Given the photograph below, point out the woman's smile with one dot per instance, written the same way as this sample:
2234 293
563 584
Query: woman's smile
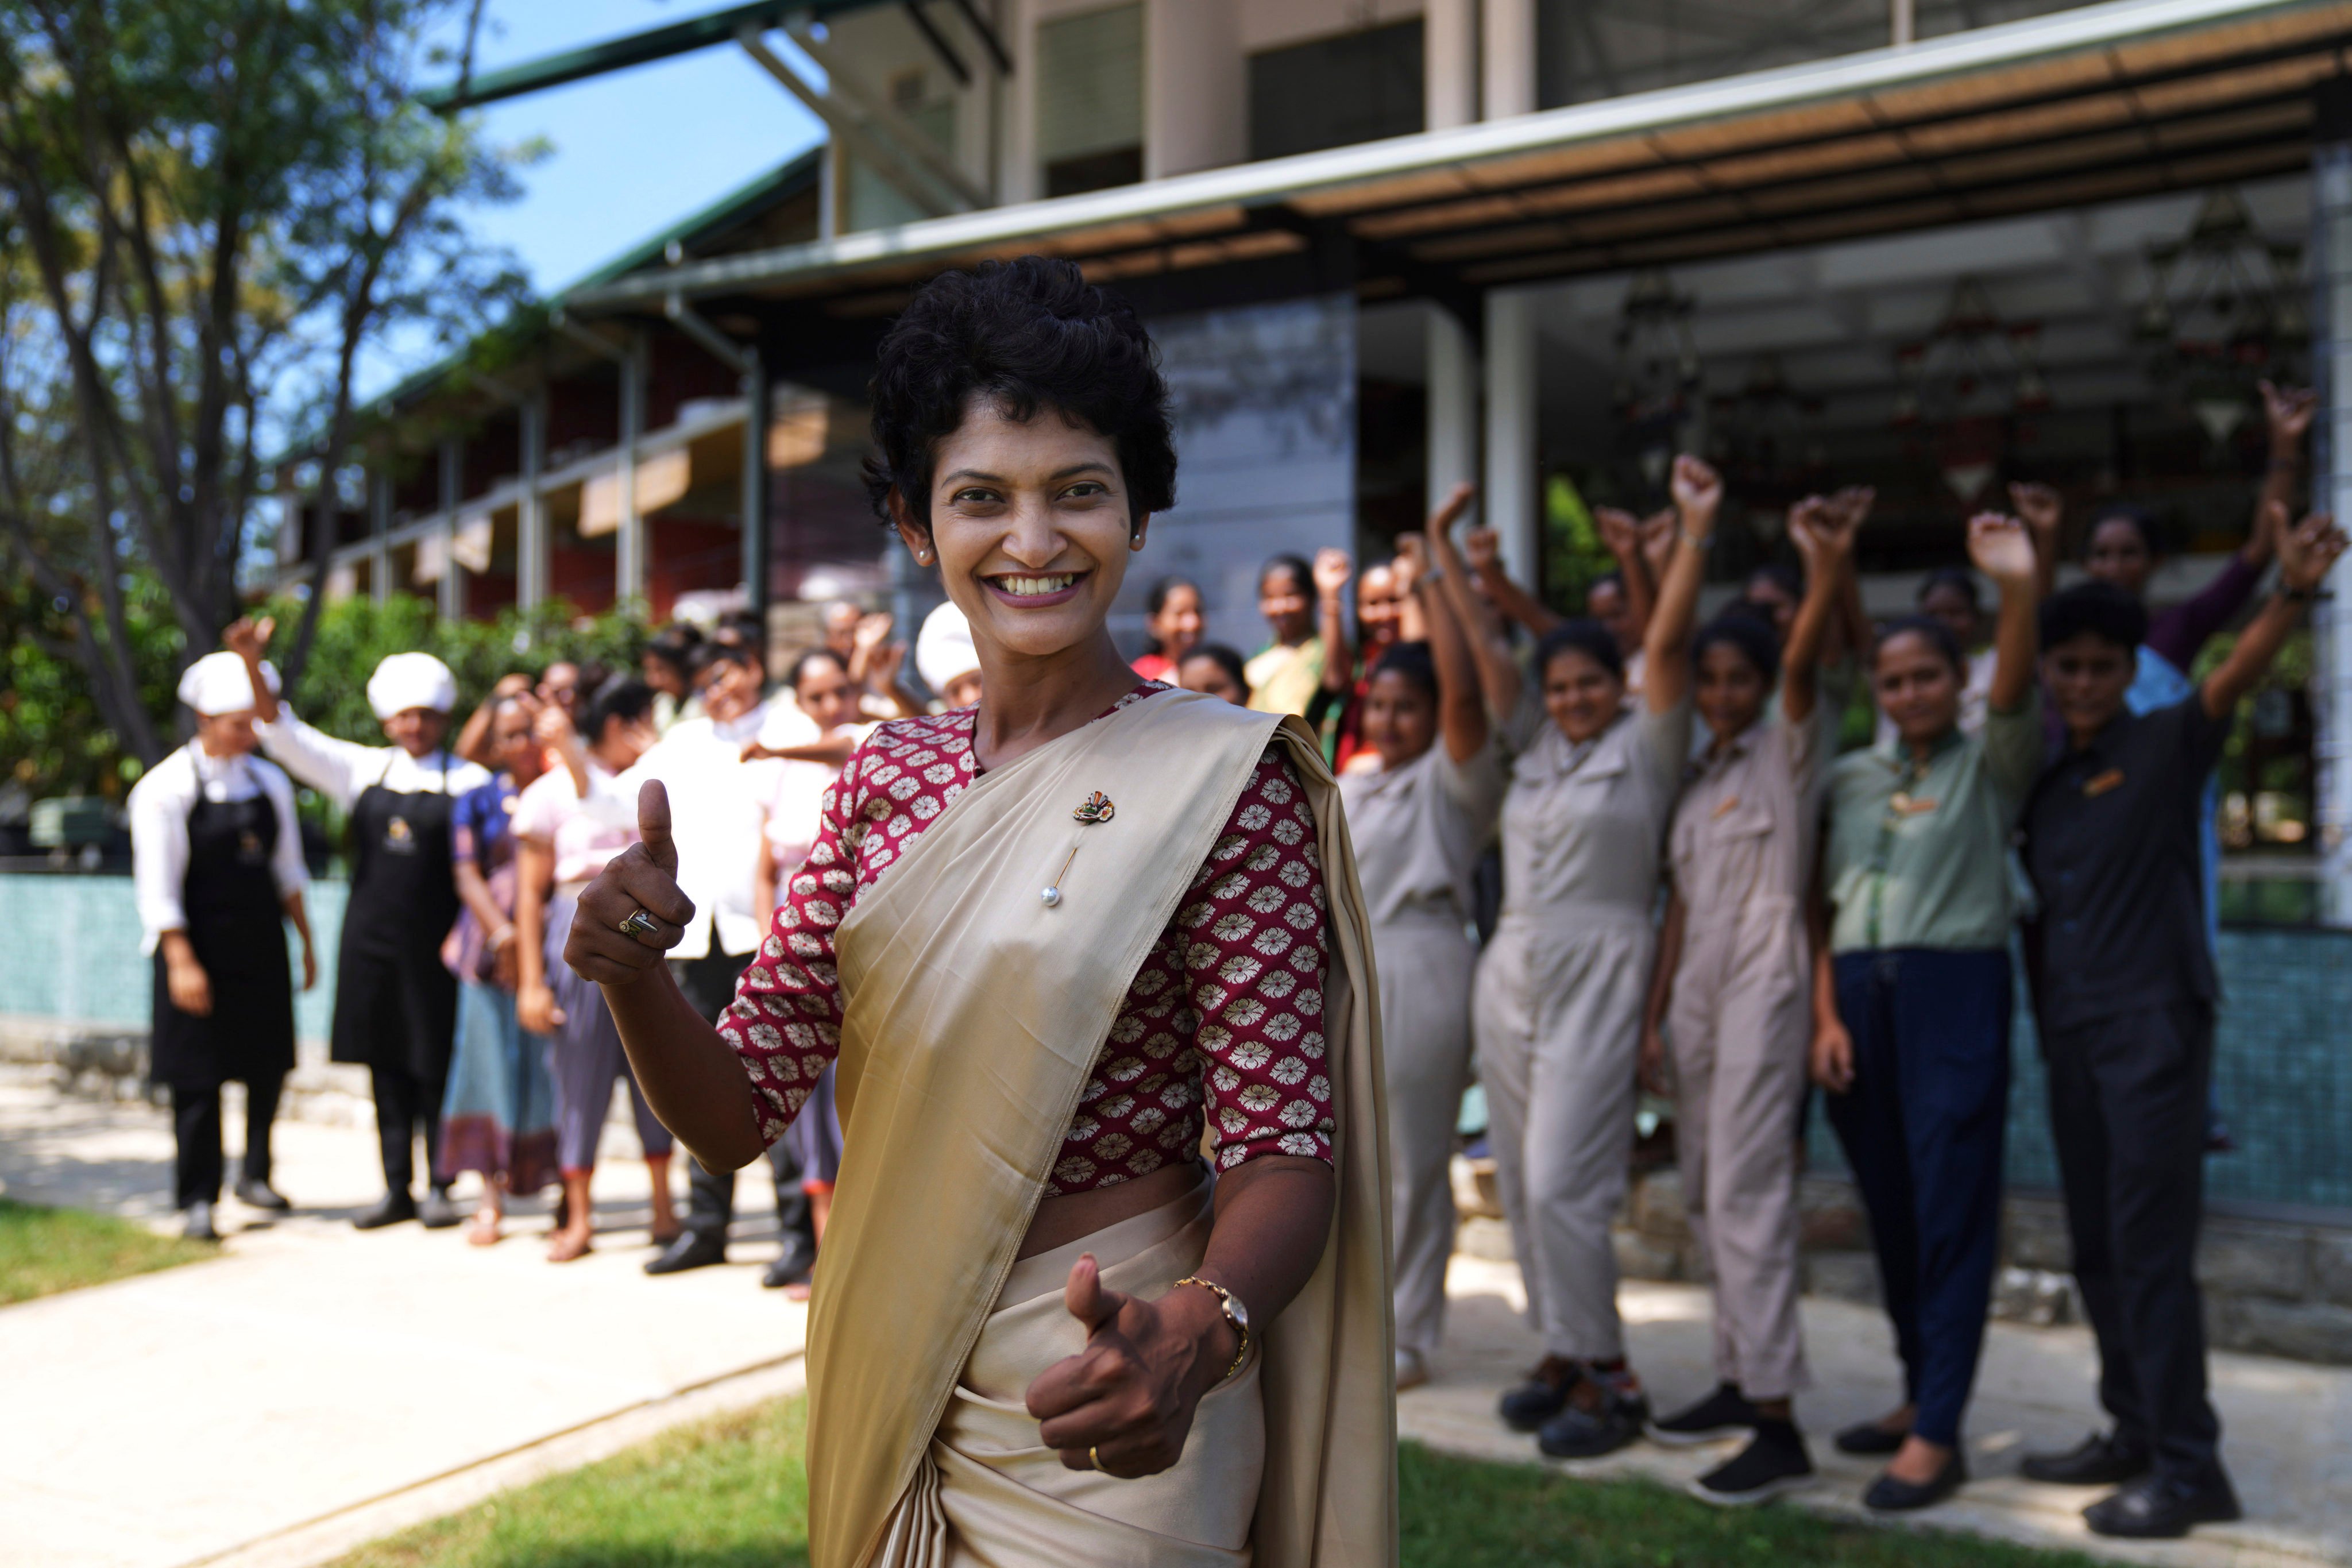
1031 593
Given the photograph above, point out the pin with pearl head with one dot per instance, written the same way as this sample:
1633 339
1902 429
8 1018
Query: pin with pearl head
1096 807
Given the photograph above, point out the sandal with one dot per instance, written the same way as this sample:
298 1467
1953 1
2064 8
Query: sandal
568 1248
484 1231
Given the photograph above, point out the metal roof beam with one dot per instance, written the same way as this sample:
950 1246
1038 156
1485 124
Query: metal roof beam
883 122
852 132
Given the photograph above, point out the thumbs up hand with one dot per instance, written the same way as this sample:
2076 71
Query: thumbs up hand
1125 1404
634 913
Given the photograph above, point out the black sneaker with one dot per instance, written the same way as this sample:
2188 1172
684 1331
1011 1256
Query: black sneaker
1604 1414
1774 1463
256 1193
1725 1412
437 1212
2101 1459
1542 1396
2162 1508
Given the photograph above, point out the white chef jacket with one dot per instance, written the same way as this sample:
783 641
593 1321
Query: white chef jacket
342 770
716 804
160 804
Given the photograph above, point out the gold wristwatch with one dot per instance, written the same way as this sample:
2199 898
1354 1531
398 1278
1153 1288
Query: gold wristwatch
1235 1313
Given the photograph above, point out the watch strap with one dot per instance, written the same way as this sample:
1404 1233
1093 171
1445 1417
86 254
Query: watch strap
1229 1306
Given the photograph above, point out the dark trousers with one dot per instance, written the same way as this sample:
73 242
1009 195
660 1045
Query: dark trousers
708 985
198 1163
405 1107
2128 1103
1921 1129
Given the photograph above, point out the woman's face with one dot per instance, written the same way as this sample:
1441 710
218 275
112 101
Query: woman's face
2119 555
1286 604
1954 608
623 741
1582 697
1380 607
518 751
1729 692
417 730
1177 626
662 675
826 694
2088 677
730 688
1918 689
1770 596
1400 721
1200 673
1029 522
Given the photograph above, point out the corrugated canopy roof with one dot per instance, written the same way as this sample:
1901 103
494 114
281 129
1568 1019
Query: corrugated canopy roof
2085 106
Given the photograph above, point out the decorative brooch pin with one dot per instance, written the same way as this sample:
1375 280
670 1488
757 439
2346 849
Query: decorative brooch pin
1096 807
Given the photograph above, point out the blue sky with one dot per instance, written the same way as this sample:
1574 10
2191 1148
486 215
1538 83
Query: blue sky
632 152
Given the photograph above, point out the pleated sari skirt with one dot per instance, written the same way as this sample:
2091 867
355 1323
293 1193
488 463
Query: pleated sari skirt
991 1495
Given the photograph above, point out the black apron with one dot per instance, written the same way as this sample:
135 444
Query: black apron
396 1003
237 926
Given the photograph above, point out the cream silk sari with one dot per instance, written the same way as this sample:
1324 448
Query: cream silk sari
973 1015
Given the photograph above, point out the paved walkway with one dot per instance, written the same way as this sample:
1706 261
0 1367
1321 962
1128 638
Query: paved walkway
316 1387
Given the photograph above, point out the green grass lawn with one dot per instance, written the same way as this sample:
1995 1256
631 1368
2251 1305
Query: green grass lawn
46 1250
732 1493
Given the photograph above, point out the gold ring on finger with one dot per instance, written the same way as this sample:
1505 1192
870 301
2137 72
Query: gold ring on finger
639 923
1094 1457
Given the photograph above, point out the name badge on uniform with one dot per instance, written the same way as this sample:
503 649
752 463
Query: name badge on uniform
2100 783
1729 804
399 837
1906 804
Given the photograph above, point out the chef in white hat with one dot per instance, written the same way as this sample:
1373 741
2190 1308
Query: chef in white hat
396 1002
947 659
217 864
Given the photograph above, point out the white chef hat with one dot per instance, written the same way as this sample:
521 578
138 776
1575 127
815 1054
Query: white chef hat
217 683
944 652
406 680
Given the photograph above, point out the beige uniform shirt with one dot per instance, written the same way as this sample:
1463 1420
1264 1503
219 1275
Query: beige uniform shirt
1747 822
1418 830
1583 824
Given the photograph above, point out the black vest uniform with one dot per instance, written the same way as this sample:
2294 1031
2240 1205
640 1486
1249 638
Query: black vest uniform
236 926
396 1003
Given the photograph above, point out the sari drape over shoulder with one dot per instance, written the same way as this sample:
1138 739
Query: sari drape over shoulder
973 1013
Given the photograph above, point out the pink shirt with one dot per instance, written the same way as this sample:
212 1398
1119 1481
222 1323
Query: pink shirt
549 811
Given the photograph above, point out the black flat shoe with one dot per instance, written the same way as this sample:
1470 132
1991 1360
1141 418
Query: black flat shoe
1773 1464
1889 1494
1725 1412
390 1209
199 1226
256 1194
436 1211
692 1250
1543 1396
2101 1459
2163 1507
1868 1437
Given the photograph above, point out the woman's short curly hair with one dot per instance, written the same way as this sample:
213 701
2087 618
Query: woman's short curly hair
1030 335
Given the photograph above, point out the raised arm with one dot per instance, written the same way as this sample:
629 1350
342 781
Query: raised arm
2003 550
1483 549
1849 630
2306 554
1461 703
1333 570
2043 513
1666 645
1622 535
1824 536
473 741
2288 411
1490 646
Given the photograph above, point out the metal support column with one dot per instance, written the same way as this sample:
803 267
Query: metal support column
756 488
531 544
1513 490
629 542
2331 487
1452 406
450 591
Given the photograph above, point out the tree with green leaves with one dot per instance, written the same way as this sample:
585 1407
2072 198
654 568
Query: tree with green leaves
208 209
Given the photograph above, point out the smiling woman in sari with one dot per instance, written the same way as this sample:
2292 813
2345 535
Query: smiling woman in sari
1050 941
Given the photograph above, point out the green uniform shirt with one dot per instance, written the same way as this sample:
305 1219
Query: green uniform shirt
1918 857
